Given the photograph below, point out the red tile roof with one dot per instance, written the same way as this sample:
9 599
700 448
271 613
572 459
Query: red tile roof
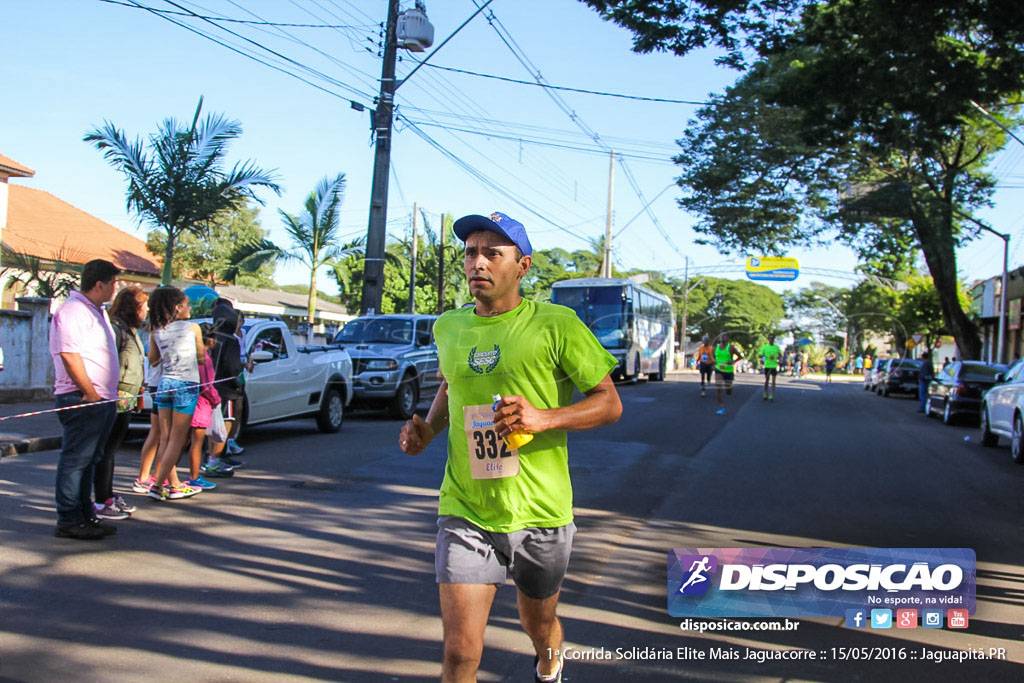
10 167
41 225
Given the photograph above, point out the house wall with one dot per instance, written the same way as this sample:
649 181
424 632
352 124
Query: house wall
25 337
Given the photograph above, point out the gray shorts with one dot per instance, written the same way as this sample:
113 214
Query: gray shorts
536 557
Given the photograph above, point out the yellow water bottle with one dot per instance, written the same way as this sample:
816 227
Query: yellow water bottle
515 440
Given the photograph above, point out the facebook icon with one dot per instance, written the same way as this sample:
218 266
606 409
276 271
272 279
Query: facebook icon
856 618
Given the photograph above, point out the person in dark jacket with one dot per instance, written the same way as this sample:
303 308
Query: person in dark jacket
228 366
924 378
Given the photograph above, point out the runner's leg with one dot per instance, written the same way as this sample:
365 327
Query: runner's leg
543 627
464 611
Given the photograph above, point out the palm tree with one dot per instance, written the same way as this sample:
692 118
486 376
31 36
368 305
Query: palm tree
314 233
53 278
181 183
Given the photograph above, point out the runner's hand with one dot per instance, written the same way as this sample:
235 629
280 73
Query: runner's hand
416 435
516 414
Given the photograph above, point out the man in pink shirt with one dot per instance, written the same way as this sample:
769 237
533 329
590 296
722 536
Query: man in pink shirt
86 369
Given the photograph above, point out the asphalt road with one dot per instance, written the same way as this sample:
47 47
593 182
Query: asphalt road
316 561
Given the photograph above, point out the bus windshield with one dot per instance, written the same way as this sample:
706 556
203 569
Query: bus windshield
600 308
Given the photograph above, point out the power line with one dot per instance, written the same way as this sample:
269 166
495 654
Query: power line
566 88
227 19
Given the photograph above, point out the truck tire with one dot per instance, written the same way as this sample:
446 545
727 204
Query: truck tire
331 413
403 405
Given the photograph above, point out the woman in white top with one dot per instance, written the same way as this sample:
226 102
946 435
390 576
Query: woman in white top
177 345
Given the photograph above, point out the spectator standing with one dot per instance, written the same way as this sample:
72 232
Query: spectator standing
209 401
178 344
830 365
228 368
126 315
859 364
86 373
924 378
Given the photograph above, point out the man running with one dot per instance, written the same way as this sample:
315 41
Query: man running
770 353
705 362
725 355
504 511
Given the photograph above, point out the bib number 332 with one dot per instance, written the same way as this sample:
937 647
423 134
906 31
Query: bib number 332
489 457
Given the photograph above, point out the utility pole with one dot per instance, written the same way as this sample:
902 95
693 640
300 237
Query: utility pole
373 269
412 270
440 268
686 302
606 265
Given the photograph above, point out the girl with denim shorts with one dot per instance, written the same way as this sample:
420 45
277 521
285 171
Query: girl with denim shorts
177 344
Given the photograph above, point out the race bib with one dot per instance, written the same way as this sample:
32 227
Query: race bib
489 457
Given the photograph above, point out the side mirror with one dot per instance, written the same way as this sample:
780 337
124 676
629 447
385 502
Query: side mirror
1000 378
261 356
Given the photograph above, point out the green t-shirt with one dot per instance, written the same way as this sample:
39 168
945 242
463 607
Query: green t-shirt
771 353
542 352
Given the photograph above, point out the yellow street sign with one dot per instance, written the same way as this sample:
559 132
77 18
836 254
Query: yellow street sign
778 268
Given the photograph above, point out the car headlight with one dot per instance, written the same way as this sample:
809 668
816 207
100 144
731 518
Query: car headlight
382 364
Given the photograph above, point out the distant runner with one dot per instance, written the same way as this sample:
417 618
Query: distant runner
770 353
725 355
705 362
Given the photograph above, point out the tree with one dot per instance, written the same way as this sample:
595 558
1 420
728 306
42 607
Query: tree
227 251
842 93
746 310
53 278
314 233
181 184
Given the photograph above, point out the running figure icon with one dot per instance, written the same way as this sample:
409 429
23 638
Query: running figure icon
696 570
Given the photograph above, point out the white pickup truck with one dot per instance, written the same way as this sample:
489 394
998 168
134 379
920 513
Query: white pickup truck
287 380
293 381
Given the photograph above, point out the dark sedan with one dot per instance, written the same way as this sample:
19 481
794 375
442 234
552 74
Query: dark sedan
958 388
900 377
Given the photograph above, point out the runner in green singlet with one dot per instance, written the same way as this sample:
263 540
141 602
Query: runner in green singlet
770 353
725 355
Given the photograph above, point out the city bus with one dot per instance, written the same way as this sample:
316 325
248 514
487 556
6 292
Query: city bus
634 323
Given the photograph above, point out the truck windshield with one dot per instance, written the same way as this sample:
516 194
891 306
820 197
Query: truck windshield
376 331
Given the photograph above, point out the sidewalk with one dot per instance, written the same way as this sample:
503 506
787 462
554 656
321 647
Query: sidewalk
28 434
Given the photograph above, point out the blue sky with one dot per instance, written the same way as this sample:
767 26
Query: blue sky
71 64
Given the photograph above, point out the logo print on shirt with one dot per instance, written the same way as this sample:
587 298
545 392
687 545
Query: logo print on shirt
484 361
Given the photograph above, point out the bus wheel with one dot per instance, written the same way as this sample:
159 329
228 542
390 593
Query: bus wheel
659 376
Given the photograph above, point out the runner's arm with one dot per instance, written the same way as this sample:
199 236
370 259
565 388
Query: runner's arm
76 371
416 434
600 406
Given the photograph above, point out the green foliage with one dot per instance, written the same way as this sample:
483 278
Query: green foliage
221 251
314 233
746 310
181 184
52 278
872 96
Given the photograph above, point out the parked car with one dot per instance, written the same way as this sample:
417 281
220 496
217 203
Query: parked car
289 381
394 359
1002 412
900 376
872 376
958 388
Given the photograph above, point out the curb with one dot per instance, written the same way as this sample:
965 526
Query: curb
11 447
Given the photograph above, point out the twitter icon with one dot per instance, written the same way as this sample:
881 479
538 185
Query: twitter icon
881 618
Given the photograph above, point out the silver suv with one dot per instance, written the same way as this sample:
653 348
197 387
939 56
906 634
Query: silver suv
394 360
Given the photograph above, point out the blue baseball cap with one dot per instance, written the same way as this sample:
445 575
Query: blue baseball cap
496 222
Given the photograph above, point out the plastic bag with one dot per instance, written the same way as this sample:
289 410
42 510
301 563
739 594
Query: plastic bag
217 431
